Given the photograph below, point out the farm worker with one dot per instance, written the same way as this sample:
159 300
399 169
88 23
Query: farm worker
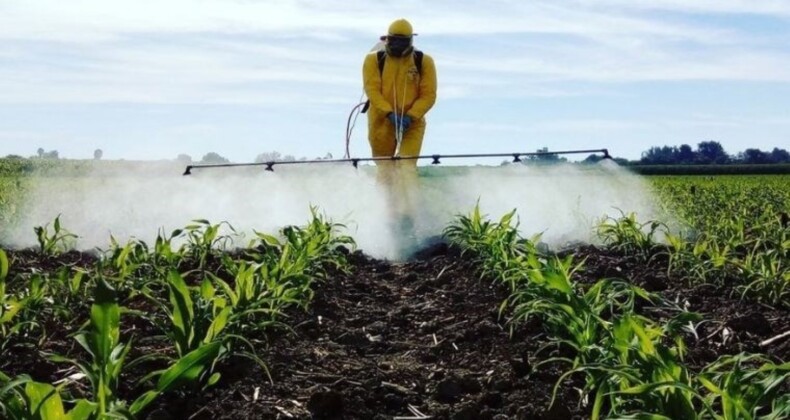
401 86
400 83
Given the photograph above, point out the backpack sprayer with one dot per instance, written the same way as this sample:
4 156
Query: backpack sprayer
361 108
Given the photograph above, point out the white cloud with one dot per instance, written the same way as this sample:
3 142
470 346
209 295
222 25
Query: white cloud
756 7
216 51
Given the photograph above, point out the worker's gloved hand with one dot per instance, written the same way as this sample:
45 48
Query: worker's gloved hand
403 122
393 117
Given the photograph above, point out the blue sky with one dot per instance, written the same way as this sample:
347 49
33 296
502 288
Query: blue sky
151 79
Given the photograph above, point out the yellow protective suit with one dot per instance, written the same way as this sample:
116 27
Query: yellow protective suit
403 89
400 88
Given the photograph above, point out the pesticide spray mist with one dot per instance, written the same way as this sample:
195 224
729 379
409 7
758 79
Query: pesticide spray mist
563 202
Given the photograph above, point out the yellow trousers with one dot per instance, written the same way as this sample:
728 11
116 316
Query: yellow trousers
398 178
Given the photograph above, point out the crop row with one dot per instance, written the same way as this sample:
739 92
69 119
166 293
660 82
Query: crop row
207 305
733 231
625 345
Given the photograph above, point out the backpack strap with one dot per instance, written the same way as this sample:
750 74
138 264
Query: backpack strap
381 56
418 61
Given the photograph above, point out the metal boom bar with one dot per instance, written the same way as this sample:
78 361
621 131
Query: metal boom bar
355 161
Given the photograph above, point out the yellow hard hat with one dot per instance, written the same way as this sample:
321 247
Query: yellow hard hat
401 27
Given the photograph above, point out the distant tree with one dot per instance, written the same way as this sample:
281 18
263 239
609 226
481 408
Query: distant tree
685 154
755 156
52 154
547 158
268 157
14 157
214 158
665 155
184 158
97 154
289 158
40 152
711 152
780 155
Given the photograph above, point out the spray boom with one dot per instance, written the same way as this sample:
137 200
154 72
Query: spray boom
436 159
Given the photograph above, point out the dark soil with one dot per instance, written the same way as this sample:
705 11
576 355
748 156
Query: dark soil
397 340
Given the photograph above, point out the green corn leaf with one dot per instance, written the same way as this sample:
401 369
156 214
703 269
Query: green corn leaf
219 323
186 370
106 321
45 401
3 265
234 299
710 385
189 367
207 290
83 410
559 282
183 313
12 307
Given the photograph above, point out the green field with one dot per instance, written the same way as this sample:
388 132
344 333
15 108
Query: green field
684 316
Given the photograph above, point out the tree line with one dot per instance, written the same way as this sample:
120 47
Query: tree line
706 153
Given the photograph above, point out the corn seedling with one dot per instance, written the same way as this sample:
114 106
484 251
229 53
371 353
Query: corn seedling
107 353
203 238
55 242
24 399
197 320
747 387
628 236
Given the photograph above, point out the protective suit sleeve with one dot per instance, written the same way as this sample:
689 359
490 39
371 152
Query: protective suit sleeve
372 83
427 95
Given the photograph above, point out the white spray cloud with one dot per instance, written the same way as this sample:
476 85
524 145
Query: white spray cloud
561 201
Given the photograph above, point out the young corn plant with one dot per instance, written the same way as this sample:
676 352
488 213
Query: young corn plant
194 319
101 340
496 245
318 243
747 387
256 298
58 241
579 320
197 321
640 376
10 306
625 234
287 267
22 398
203 238
766 277
19 311
165 256
473 232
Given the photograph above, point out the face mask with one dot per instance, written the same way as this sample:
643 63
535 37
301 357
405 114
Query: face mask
398 46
